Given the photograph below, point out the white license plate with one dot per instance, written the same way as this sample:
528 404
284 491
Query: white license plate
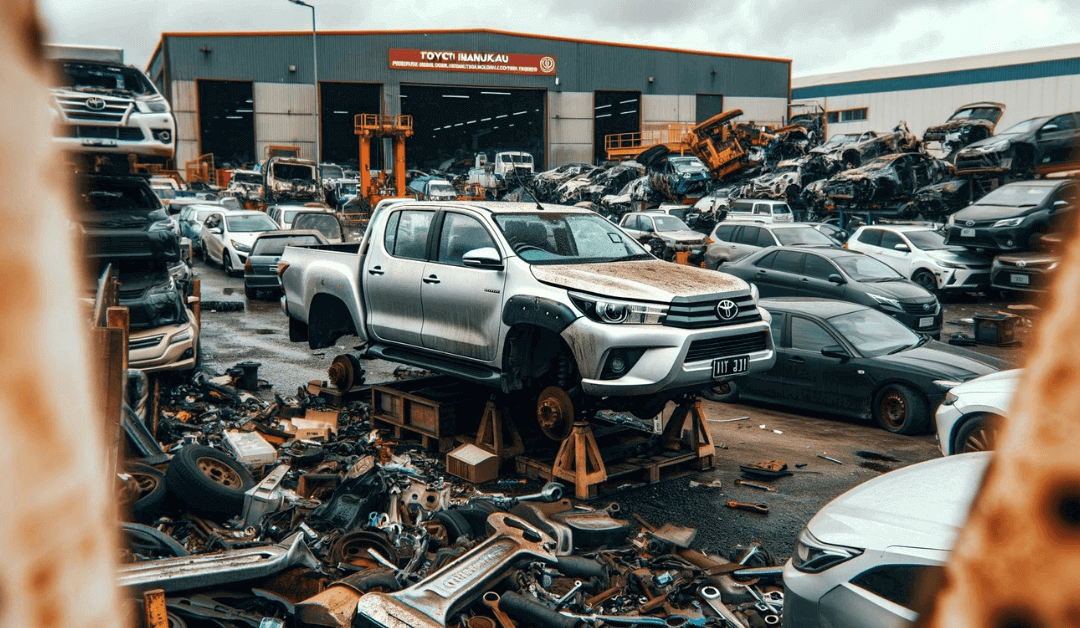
967 233
99 142
926 322
725 367
1020 279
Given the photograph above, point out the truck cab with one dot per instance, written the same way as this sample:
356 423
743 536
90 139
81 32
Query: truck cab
512 163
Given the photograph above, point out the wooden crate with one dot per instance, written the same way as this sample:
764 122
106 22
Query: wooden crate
438 406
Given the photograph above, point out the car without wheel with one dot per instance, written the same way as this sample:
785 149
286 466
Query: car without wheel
674 233
1014 216
919 253
876 553
850 359
972 414
844 275
731 241
227 236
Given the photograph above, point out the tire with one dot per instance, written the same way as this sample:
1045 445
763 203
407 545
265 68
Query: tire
151 495
926 280
208 481
901 410
149 542
226 263
725 392
251 294
978 433
298 330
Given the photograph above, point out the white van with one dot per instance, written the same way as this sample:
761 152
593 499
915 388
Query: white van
760 210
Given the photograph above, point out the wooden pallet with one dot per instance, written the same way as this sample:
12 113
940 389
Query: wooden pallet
433 409
665 465
427 440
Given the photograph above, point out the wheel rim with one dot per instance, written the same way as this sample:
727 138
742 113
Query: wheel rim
982 438
926 281
893 409
226 262
220 472
555 413
147 483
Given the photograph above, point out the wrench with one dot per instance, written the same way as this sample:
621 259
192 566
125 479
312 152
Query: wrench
574 589
762 509
711 595
491 600
671 621
432 601
769 607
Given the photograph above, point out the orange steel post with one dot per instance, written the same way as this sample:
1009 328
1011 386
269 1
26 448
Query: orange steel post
399 165
365 163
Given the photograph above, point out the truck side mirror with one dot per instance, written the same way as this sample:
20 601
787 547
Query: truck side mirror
486 257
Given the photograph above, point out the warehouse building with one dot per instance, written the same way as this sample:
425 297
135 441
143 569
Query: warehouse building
469 91
1030 83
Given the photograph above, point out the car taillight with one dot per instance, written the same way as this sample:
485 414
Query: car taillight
709 241
281 266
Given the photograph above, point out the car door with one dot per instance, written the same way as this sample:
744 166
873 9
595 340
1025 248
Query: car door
887 252
632 224
1054 141
462 304
767 384
814 281
744 241
213 243
801 375
782 279
395 263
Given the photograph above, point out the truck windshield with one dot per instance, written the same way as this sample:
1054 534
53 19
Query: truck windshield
245 177
555 238
104 77
288 171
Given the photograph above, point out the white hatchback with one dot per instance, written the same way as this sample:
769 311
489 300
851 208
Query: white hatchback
227 237
919 253
972 413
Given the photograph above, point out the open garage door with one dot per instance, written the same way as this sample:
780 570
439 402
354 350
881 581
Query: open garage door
339 103
614 112
227 122
459 122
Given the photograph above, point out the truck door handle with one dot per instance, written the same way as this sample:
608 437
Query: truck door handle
431 279
377 270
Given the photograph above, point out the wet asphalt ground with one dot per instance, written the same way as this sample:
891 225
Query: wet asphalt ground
259 332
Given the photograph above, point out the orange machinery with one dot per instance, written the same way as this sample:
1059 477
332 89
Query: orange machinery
371 126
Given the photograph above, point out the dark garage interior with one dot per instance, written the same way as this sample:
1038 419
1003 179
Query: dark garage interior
614 112
227 122
339 103
458 122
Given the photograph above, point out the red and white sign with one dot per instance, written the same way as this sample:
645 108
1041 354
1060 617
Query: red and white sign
459 61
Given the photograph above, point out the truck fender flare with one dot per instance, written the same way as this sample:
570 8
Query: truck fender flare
526 310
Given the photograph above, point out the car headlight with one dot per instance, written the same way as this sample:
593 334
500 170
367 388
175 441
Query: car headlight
950 398
949 264
888 302
157 105
181 337
616 312
240 246
162 225
814 556
754 293
1052 266
996 146
1008 222
946 384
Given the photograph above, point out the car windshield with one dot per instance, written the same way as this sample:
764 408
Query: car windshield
441 188
880 163
116 195
687 165
802 235
332 172
669 223
276 245
290 171
978 113
840 140
247 177
1023 127
928 240
249 223
348 189
1016 196
555 238
866 268
873 333
165 192
289 214
327 224
104 77
517 158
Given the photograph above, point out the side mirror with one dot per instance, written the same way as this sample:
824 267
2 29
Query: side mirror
647 248
902 247
836 351
837 279
216 230
1059 205
486 257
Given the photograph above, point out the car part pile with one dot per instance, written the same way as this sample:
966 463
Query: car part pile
295 511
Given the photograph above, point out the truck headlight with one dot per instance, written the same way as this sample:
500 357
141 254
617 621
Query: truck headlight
156 105
616 312
754 293
944 264
814 556
240 246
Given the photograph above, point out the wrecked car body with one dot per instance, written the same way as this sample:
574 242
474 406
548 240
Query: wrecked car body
164 332
122 218
1044 144
938 200
968 124
784 182
886 182
288 179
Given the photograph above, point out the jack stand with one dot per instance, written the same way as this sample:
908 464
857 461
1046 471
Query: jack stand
698 440
493 432
577 454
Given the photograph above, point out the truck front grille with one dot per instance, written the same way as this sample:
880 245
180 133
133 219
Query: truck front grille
701 312
726 347
134 134
114 110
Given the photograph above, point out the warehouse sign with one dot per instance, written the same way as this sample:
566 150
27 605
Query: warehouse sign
457 61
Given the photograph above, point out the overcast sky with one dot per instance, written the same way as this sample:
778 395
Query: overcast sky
818 35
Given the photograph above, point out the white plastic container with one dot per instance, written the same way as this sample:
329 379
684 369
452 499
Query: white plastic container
250 447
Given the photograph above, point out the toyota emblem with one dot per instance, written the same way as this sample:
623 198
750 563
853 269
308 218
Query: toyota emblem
1020 263
970 223
926 306
726 310
95 103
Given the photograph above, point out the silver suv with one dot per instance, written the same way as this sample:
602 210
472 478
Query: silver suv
731 241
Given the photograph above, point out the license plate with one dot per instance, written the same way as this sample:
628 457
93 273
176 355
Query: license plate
99 142
926 322
724 367
1020 279
967 233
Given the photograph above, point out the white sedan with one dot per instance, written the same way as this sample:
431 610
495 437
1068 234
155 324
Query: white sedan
919 253
227 236
869 557
970 416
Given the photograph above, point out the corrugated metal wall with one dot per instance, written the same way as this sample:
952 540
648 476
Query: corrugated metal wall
187 121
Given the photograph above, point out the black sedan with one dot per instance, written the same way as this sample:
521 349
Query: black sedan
1012 217
852 360
843 275
1046 143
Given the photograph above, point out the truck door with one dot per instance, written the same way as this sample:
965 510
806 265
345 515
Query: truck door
462 304
391 277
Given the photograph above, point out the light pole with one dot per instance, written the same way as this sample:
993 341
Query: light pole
315 65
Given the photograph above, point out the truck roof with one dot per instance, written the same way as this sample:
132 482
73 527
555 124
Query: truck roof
500 207
72 52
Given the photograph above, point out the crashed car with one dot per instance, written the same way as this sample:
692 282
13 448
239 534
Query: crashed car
288 179
122 218
782 183
871 144
937 200
596 184
1048 142
682 176
968 124
664 232
164 332
246 185
886 182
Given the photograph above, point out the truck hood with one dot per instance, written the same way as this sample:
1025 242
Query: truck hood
648 280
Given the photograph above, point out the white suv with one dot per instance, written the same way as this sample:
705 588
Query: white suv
760 210
919 253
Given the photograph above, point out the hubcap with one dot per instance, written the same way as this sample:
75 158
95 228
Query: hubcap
555 413
982 438
220 472
147 483
893 409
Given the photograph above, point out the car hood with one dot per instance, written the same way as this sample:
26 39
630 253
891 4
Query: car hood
897 289
122 219
922 505
948 361
647 280
993 139
961 256
682 236
999 383
991 212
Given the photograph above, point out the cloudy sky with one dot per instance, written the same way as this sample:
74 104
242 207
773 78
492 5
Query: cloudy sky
818 35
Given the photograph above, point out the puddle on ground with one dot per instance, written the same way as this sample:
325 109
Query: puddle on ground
873 455
265 332
228 290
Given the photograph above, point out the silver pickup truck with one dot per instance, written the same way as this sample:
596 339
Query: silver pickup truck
552 302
